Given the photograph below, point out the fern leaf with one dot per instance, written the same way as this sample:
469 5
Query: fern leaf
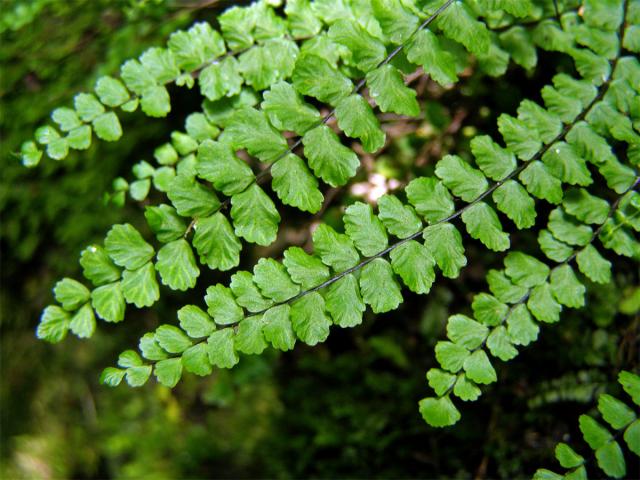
83 322
295 185
365 229
379 287
439 412
483 224
387 88
216 243
168 372
255 217
108 302
195 322
221 349
54 324
222 305
191 198
445 244
425 50
514 201
400 220
328 158
367 52
140 286
249 128
463 180
335 249
344 302
356 119
217 163
309 319
274 282
395 21
177 265
247 293
415 265
249 338
287 111
316 77
278 330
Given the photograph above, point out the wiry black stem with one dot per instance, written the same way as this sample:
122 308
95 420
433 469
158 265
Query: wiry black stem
461 210
612 209
601 93
264 173
592 456
576 252
555 7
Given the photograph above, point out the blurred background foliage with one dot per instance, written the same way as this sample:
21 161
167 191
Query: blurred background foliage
347 408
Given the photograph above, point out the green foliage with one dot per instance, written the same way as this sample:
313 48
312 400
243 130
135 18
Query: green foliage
285 101
605 445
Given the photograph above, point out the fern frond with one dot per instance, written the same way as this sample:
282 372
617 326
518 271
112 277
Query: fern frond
605 446
544 290
254 216
503 321
264 77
